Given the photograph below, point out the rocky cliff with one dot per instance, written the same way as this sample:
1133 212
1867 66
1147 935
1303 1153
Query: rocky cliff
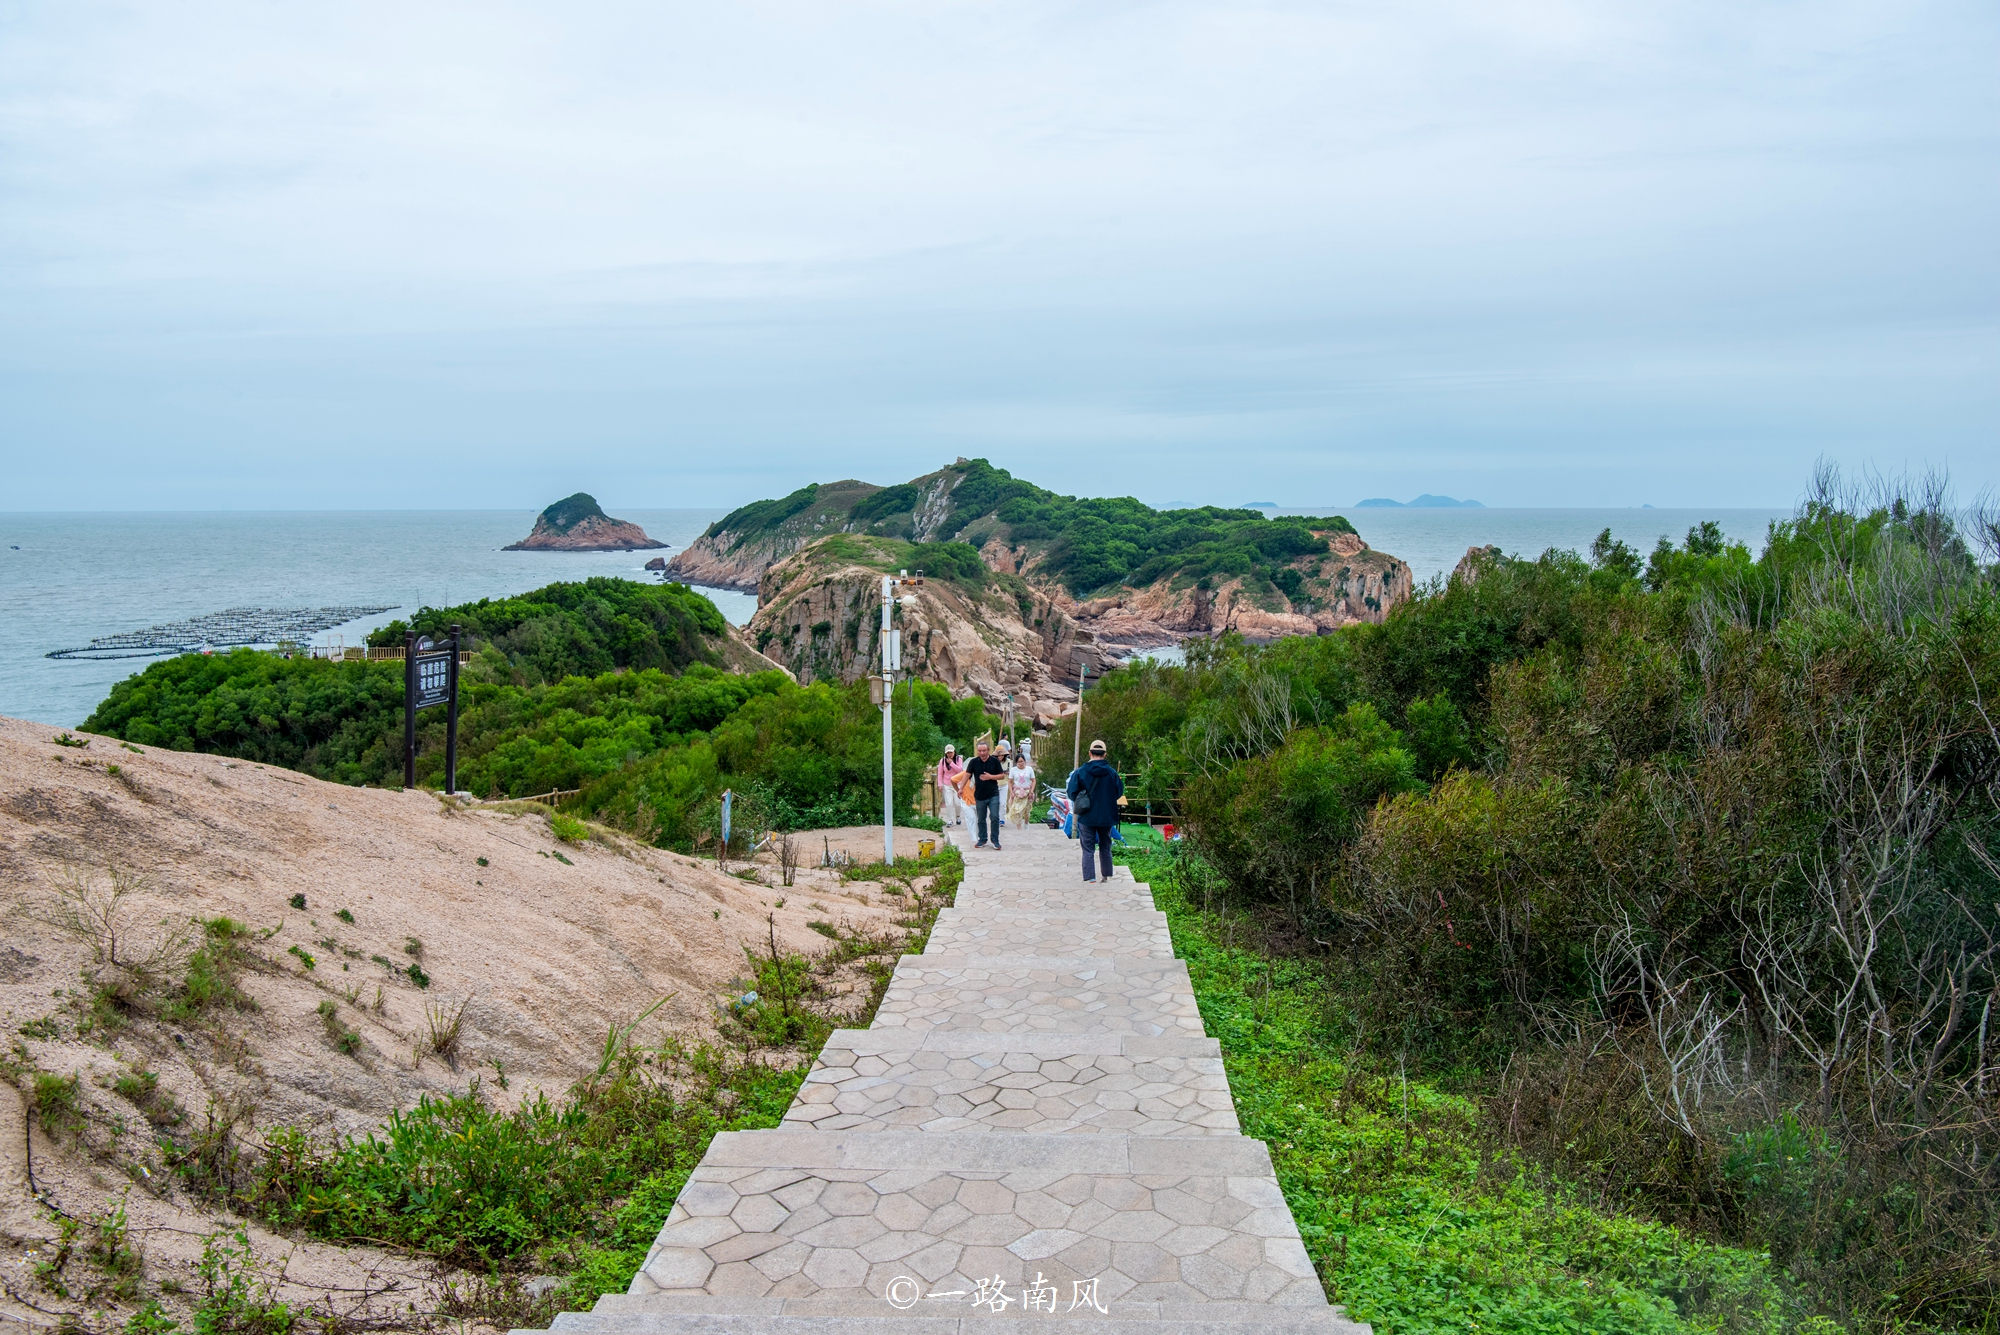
577 524
819 614
1344 583
737 549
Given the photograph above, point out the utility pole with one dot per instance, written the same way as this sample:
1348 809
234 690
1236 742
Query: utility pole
883 688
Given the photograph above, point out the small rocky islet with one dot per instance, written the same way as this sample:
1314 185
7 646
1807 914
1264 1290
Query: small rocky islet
578 524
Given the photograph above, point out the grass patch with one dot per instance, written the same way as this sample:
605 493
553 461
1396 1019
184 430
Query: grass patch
345 1040
1411 1226
59 1104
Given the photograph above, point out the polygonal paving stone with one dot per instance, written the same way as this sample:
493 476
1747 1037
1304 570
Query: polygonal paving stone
1048 1019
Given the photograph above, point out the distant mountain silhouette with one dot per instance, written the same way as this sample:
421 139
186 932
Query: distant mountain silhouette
1423 502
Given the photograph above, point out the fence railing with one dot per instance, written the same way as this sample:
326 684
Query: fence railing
551 799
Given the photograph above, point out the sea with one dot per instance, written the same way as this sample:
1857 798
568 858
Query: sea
68 579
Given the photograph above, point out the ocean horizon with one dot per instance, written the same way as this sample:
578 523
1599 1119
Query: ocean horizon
67 578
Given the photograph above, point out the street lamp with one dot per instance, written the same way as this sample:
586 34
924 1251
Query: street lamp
883 688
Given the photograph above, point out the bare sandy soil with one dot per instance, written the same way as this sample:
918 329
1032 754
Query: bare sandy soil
546 946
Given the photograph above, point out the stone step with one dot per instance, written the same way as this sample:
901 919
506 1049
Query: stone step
671 1314
1140 933
1177 1319
1067 1094
998 996
794 1214
1048 1045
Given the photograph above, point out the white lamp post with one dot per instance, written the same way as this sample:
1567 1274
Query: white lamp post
892 663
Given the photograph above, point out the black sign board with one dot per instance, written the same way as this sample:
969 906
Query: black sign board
430 677
433 679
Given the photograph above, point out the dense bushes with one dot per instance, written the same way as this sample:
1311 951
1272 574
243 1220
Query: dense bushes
651 748
1700 851
580 629
343 721
339 721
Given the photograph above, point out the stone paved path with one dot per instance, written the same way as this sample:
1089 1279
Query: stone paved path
1035 1126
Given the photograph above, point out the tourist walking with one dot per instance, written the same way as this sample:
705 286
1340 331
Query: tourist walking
1020 790
987 771
949 771
1096 792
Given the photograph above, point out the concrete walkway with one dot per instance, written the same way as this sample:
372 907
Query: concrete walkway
1036 1125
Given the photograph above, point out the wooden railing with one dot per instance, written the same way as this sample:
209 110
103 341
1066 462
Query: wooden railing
550 799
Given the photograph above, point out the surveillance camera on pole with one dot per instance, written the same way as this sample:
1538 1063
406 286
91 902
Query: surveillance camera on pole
882 690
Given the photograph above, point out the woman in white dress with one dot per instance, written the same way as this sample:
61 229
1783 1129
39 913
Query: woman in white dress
1020 791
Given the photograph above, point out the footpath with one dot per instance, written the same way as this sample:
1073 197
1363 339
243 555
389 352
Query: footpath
1035 1126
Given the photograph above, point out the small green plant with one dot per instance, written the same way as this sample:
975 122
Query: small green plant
113 771
344 915
151 1319
298 901
444 1023
139 1086
557 855
212 972
68 740
59 1103
418 976
568 829
413 947
387 963
305 959
45 1027
500 1072
482 862
133 749
236 1297
825 929
344 1039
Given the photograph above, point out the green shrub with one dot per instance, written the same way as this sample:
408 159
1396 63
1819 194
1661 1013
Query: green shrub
58 1104
568 829
237 1297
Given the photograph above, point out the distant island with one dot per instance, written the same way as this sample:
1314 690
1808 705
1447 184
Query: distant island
576 524
1423 502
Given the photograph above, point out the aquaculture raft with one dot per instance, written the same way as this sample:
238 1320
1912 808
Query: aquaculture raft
220 630
1036 1125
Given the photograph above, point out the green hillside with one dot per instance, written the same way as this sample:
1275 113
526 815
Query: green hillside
1085 544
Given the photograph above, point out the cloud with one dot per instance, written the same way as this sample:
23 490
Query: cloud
1541 252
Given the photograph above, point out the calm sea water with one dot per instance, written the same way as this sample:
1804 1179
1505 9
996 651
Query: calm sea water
79 576
76 577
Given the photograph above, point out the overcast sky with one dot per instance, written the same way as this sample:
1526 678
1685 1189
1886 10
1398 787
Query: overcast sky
274 255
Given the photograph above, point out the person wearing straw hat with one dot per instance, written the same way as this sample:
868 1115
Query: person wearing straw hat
1096 792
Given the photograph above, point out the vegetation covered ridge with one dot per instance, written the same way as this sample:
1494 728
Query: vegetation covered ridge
1083 544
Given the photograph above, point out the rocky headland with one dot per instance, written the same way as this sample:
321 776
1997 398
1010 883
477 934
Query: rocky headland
577 524
1055 579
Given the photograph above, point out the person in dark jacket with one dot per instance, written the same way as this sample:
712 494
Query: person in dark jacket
1094 824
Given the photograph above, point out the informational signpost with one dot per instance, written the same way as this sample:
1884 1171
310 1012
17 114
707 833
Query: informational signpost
430 677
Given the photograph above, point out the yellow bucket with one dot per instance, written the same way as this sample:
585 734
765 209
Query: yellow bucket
926 847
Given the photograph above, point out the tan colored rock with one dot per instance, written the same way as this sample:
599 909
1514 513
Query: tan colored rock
820 617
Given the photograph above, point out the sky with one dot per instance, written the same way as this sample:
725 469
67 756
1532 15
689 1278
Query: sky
1537 252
